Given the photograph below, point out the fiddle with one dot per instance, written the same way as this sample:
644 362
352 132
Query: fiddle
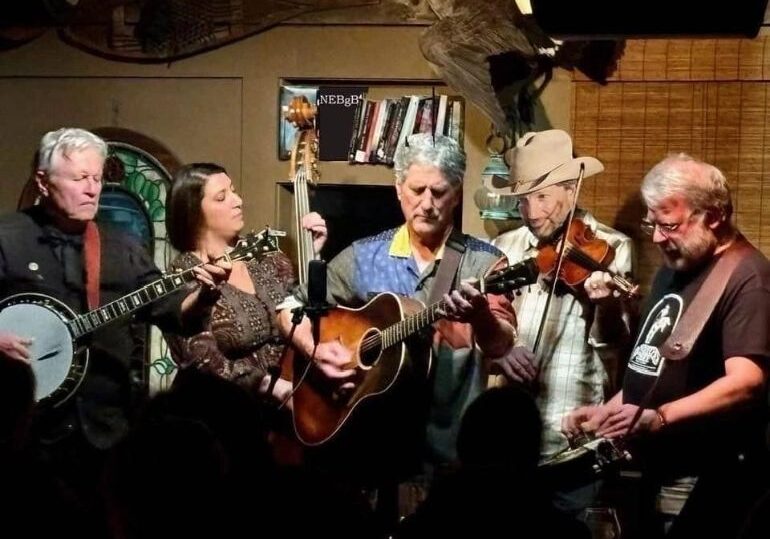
584 253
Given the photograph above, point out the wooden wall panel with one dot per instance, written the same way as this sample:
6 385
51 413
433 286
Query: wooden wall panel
704 97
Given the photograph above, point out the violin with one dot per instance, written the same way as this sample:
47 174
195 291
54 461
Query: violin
584 253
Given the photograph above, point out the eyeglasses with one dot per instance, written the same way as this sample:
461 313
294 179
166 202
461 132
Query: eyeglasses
648 227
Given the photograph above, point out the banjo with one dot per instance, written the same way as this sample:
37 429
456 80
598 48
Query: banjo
58 358
600 453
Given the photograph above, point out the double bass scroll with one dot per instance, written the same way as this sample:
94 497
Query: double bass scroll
303 172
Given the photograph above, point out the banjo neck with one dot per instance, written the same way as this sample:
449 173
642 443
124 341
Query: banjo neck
128 304
253 245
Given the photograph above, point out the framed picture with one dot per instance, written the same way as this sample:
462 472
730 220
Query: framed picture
286 131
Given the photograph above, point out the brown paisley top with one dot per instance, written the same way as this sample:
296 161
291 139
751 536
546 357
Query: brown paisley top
242 340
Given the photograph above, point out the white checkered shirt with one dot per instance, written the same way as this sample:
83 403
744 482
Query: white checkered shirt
577 364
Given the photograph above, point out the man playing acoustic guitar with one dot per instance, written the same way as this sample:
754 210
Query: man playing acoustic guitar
406 261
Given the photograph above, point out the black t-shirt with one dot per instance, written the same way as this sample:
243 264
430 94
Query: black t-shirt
739 326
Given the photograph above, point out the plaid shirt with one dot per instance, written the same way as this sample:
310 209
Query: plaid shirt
577 360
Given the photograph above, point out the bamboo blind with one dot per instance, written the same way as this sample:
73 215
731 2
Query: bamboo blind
708 98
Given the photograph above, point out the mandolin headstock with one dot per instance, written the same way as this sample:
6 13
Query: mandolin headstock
257 244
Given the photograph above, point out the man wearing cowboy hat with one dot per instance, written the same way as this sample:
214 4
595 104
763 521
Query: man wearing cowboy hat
582 342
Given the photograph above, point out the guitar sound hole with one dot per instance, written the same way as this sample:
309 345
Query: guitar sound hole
370 349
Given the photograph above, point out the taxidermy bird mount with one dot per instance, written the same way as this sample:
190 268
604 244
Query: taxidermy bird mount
498 58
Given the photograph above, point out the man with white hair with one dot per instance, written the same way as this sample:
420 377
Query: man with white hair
703 414
583 340
406 260
55 248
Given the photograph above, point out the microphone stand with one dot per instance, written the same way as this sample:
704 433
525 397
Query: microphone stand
314 311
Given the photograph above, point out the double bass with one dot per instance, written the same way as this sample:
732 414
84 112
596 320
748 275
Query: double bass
303 172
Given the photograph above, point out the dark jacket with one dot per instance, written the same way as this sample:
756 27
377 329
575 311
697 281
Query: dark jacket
30 263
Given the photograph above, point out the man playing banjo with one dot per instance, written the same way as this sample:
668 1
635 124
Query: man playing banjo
56 249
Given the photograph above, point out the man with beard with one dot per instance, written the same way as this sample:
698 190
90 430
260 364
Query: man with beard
584 340
704 416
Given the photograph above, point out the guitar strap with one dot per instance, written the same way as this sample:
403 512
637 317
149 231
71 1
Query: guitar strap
679 344
682 339
454 248
92 261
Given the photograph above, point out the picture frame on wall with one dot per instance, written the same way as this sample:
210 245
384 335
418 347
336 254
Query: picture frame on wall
286 131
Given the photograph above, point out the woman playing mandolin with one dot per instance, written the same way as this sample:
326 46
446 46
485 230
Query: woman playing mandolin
241 342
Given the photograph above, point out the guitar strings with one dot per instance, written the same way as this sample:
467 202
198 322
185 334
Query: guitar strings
375 340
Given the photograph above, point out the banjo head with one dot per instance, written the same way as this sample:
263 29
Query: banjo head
43 319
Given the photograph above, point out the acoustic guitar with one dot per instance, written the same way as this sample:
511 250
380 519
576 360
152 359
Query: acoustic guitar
376 334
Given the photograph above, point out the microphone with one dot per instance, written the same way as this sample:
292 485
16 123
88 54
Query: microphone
317 306
316 285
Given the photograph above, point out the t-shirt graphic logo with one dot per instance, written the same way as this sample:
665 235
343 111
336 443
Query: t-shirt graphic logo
660 322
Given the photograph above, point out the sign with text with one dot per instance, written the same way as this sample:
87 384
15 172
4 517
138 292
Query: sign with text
336 110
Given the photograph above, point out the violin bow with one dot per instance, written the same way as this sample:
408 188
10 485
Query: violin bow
559 259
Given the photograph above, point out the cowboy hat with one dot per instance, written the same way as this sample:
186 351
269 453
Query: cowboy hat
542 159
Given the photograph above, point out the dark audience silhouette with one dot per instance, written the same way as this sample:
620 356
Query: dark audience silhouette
495 491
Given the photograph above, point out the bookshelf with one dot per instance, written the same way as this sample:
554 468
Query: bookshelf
362 121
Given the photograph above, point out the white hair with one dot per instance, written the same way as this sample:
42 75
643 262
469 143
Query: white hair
440 151
64 141
702 185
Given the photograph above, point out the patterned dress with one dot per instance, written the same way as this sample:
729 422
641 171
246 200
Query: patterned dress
242 340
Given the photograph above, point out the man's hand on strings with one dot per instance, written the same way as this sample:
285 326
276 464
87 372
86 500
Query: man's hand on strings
466 303
334 360
15 347
518 365
600 287
617 423
316 225
586 419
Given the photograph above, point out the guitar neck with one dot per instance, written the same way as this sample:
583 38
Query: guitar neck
130 303
498 282
410 325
